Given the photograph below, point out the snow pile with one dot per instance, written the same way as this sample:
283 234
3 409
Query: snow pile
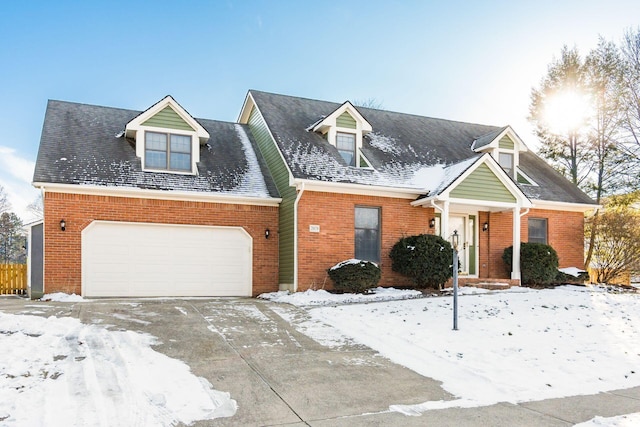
511 346
322 297
61 297
253 180
629 420
571 271
65 373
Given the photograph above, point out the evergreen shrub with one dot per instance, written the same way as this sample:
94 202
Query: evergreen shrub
354 275
426 259
538 263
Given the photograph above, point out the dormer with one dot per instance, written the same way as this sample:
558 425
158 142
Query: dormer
167 138
344 129
505 147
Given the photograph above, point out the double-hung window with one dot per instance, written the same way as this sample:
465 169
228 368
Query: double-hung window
346 144
537 230
367 225
167 151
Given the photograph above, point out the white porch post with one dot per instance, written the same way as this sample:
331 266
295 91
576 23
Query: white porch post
444 221
515 269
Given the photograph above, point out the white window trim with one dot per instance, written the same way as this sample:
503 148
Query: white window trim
329 127
141 149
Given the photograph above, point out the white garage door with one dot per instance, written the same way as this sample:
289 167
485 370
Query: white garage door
134 259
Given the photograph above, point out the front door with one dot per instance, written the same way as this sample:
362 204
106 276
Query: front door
465 225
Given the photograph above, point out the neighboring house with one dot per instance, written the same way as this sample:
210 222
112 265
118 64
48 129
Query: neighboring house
273 201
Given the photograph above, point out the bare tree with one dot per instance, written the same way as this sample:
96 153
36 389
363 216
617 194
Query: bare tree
37 207
616 250
4 202
566 149
369 103
630 95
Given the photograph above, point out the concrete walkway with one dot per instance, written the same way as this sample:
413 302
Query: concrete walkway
281 377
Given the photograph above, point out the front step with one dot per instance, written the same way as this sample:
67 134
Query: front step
484 283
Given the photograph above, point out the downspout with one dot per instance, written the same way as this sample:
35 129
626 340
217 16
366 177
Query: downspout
295 237
526 211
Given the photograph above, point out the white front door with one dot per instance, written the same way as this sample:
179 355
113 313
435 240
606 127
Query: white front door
459 223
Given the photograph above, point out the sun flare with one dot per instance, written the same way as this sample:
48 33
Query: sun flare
566 111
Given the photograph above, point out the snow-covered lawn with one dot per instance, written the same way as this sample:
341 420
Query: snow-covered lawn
60 372
511 346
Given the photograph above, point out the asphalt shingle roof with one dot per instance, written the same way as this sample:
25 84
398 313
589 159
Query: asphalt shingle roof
84 144
400 148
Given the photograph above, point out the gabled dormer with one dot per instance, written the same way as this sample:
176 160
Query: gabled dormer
505 147
344 129
167 138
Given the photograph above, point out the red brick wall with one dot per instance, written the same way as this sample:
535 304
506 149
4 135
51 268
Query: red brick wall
335 214
62 269
564 232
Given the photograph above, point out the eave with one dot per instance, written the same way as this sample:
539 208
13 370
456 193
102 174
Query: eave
134 192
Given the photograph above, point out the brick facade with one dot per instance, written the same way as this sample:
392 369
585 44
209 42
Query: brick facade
335 214
62 269
564 233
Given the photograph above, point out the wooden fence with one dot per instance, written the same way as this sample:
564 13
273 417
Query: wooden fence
13 279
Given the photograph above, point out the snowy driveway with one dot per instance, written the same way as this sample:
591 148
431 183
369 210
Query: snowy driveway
261 354
276 374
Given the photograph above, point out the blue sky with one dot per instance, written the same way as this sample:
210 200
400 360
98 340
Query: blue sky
467 61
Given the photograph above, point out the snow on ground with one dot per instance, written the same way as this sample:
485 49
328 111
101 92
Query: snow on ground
80 375
322 297
629 420
511 346
61 297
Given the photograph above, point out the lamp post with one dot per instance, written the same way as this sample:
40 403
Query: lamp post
455 240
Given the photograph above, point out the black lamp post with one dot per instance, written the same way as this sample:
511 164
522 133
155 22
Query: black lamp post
455 240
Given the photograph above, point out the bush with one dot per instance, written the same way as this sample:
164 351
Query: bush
425 258
538 263
355 275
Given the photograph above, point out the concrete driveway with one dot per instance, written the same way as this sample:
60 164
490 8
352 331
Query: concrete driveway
279 376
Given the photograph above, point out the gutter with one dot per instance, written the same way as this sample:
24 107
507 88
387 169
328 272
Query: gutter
295 237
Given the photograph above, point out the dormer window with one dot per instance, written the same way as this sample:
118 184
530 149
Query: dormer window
505 147
346 144
344 129
167 138
506 162
167 151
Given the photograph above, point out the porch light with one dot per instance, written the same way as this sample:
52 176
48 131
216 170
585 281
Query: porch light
267 233
455 240
63 225
485 226
432 223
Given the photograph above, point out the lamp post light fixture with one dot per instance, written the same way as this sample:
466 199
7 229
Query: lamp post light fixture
455 241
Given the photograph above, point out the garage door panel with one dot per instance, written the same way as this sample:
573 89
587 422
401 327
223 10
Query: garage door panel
123 259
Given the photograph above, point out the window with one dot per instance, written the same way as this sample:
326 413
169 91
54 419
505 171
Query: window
176 155
346 144
506 161
367 224
538 230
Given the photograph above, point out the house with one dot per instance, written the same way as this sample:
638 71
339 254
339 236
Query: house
158 203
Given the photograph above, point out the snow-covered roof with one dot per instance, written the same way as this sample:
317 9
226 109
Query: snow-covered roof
84 145
405 151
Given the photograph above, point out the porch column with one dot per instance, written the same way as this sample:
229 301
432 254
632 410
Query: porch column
515 269
444 221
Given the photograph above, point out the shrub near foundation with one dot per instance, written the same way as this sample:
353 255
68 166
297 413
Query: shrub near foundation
354 275
426 259
538 263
